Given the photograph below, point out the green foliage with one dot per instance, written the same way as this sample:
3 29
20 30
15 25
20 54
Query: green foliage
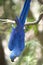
29 19
2 2
28 56
35 29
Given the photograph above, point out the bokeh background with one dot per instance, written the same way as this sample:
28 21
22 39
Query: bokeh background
33 52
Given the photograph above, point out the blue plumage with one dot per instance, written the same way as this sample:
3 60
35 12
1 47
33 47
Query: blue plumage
17 42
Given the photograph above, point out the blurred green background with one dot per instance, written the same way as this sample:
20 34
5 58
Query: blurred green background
33 52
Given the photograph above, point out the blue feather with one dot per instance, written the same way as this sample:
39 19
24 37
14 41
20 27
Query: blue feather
17 38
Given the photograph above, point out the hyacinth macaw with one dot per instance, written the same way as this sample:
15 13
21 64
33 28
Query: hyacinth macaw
17 40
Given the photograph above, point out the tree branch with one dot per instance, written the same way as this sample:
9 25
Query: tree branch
4 21
35 22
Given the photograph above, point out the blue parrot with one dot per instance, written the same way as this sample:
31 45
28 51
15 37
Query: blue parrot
17 38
